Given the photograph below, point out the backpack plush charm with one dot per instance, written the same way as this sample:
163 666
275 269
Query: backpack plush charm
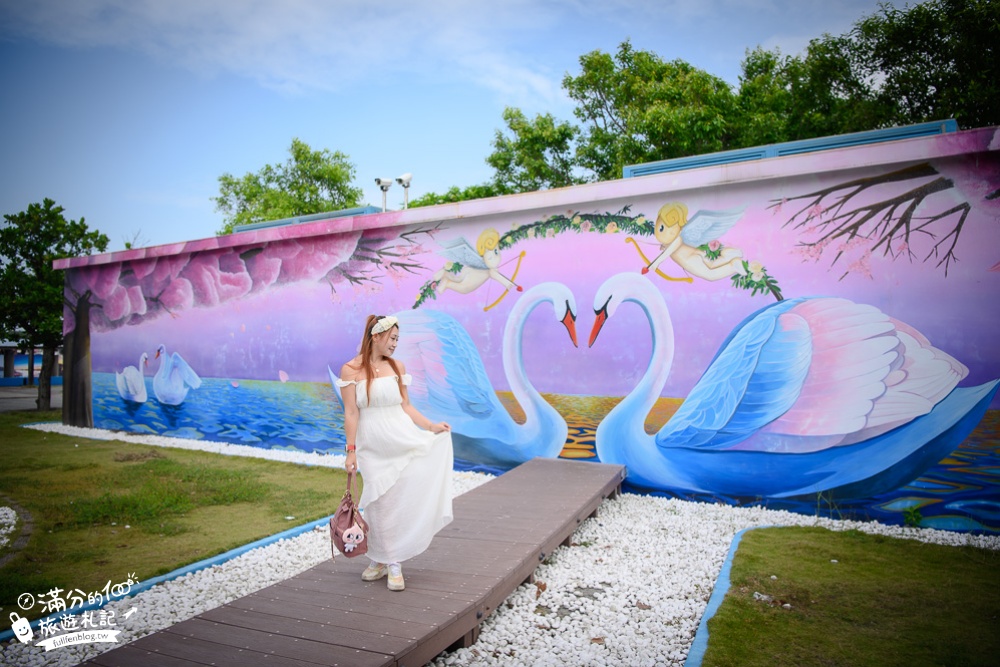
353 537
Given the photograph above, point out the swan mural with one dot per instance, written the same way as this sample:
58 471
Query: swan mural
807 395
823 395
450 381
131 382
174 378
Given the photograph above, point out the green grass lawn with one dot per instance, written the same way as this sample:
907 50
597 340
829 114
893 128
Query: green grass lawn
103 510
884 602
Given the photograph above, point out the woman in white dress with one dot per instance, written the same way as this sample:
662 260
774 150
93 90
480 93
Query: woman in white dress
404 458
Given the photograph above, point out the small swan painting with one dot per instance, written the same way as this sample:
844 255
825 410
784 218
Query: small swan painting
174 378
131 382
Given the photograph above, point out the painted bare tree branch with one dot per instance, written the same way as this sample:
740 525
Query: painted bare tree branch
889 224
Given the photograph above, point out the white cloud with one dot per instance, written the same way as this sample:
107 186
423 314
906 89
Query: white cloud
296 45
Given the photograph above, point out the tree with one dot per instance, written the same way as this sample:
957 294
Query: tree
930 61
934 60
308 182
32 289
785 98
531 155
457 194
637 108
535 155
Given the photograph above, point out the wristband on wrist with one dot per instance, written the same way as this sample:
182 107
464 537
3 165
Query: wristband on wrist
351 448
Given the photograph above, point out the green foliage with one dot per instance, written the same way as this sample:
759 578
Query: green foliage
308 182
32 290
912 516
536 155
456 194
933 60
784 98
637 108
756 279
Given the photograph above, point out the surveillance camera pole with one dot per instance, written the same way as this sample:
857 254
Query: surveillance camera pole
404 180
384 184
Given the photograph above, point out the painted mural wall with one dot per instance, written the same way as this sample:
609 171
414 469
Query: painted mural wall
814 332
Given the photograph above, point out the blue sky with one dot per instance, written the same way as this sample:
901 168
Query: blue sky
126 112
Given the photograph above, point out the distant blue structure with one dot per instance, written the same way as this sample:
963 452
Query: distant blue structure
791 148
344 213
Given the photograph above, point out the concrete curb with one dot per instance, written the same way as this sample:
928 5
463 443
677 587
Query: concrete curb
700 644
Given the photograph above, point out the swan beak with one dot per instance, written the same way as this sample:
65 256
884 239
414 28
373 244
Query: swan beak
157 355
569 321
600 317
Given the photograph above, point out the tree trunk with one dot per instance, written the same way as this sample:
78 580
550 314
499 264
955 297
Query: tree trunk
78 406
31 366
44 401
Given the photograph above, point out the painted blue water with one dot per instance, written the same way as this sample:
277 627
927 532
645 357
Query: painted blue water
302 416
960 493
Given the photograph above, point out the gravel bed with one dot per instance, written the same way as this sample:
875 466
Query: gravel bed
629 591
8 523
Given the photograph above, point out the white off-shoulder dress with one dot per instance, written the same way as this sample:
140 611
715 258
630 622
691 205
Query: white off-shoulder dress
406 472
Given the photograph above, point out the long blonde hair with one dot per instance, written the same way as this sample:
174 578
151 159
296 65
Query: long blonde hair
367 368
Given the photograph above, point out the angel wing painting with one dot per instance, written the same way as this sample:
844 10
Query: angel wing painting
477 264
690 242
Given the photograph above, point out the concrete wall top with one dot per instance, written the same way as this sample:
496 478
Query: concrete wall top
836 160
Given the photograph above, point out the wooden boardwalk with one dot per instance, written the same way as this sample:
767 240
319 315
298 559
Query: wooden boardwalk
328 616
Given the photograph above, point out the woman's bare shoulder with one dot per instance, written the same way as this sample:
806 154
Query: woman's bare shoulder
351 371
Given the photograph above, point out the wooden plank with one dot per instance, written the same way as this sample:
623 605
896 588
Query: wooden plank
276 645
349 620
288 626
130 656
326 615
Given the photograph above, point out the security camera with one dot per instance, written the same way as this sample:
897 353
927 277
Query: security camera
405 179
384 183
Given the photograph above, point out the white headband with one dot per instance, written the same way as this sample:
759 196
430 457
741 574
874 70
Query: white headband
384 324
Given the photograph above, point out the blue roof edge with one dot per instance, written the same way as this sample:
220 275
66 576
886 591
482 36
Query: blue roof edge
792 148
313 217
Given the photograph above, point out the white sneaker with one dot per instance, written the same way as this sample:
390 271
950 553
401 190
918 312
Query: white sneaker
374 572
396 578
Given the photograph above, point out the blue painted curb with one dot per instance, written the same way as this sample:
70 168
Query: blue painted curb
700 644
187 569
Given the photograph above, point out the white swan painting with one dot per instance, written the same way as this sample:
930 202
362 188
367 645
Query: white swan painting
174 378
131 382
805 396
450 381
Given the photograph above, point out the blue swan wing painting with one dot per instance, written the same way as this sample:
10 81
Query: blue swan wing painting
335 381
174 378
448 374
705 226
806 395
450 382
131 382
